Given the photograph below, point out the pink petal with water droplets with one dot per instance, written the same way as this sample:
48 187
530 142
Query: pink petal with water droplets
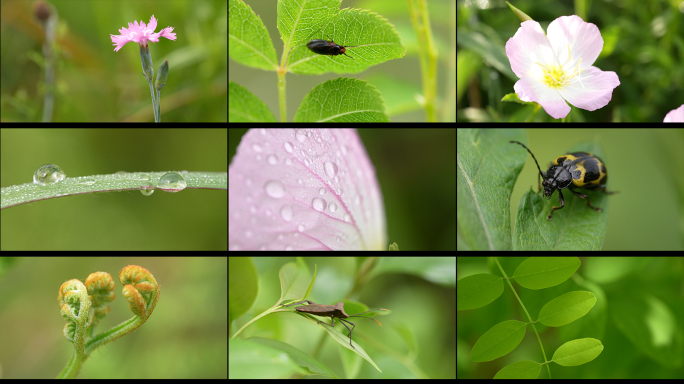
304 189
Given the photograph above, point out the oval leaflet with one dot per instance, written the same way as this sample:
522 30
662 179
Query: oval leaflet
545 272
500 340
577 352
566 308
476 291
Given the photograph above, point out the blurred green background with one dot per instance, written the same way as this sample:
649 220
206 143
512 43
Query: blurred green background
638 316
94 83
194 219
416 169
416 339
646 167
643 45
184 338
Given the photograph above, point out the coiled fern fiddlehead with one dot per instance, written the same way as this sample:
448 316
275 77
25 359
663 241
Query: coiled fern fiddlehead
83 306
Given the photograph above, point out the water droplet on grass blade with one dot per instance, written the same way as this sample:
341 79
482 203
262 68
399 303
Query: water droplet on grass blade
147 190
172 182
48 174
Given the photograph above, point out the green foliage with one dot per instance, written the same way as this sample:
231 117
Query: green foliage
371 40
499 341
545 272
566 308
476 291
520 370
533 273
577 352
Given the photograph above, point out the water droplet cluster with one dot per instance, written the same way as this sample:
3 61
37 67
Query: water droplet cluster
172 182
48 174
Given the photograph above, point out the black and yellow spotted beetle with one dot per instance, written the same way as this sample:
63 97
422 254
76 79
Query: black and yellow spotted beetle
574 170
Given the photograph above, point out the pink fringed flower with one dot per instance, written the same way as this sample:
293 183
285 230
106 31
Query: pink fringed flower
304 189
141 34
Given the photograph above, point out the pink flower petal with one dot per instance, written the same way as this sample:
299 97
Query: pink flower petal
304 189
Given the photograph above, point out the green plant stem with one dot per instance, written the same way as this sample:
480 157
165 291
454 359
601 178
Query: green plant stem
154 102
122 329
527 313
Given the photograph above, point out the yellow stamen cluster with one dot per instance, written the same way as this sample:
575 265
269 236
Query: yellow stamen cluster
556 77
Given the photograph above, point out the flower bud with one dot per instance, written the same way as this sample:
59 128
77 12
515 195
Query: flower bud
146 61
41 11
161 75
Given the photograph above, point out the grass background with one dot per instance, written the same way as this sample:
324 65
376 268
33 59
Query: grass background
416 169
187 220
94 83
643 44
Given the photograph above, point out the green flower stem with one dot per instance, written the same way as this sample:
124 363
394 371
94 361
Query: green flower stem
148 72
154 104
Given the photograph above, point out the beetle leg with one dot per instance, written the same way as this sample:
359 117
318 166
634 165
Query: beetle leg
587 198
562 203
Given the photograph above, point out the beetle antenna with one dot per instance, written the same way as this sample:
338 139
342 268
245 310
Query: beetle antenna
535 159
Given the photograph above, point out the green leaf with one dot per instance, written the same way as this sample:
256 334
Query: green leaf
520 370
566 308
500 340
30 192
577 352
476 291
545 272
346 100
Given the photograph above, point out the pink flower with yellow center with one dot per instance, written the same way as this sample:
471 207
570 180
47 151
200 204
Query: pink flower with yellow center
141 34
558 67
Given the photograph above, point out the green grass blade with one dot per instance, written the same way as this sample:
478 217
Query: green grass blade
30 192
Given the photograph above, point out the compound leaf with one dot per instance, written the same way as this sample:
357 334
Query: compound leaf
478 290
577 352
566 308
520 370
545 272
500 340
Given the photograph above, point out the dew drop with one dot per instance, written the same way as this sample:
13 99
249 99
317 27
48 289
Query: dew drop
319 204
147 190
275 189
48 174
287 213
172 182
330 169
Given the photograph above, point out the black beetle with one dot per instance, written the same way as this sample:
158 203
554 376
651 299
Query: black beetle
573 170
325 47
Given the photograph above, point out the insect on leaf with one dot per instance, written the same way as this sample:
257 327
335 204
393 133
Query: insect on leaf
577 352
478 290
499 341
545 272
566 308
520 370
